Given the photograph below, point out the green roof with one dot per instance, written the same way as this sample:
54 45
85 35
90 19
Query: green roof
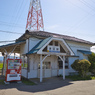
37 47
85 52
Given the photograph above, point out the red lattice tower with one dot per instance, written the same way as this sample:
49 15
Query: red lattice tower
35 18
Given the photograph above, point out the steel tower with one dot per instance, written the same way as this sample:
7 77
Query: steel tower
35 18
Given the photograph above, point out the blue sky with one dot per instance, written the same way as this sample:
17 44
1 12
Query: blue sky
68 17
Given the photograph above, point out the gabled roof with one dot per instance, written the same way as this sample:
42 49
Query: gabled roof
36 48
48 34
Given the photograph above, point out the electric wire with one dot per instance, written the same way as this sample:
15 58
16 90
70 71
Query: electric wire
87 5
79 22
10 32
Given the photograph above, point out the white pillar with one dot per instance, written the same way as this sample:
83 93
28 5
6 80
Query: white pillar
63 67
14 55
41 69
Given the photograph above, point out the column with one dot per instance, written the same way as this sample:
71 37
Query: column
41 71
63 67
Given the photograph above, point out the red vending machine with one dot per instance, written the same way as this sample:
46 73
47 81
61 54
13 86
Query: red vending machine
13 71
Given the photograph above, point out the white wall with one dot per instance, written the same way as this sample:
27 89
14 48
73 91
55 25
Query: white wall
24 72
79 46
24 48
35 72
33 42
35 59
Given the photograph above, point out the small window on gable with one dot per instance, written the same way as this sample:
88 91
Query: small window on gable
56 43
51 43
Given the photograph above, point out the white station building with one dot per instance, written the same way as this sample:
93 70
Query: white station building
46 54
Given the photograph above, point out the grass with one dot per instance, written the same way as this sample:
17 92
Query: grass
1 65
1 82
27 82
77 77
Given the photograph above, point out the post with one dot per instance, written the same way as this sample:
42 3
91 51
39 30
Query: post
14 55
41 71
63 67
3 65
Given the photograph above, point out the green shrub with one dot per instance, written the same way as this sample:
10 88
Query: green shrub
1 65
92 61
82 66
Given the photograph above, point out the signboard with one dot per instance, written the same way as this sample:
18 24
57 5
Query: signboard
55 49
13 71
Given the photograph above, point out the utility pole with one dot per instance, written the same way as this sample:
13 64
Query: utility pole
35 18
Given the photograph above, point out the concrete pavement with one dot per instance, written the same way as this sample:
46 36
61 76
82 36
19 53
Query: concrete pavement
55 86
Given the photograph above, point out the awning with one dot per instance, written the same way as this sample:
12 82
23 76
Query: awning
85 52
12 44
10 47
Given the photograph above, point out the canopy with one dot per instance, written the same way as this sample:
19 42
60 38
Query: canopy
85 52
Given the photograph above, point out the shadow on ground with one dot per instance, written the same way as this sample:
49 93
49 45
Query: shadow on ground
47 84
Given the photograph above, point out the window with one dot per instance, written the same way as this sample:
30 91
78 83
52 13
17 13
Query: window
60 63
56 43
66 62
46 65
24 62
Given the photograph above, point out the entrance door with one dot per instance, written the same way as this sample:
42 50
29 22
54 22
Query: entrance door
46 70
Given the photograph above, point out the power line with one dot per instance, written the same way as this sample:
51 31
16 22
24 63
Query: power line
18 13
19 25
77 6
11 25
11 32
79 22
87 5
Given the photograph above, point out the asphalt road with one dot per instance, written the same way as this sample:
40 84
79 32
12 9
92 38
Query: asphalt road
56 87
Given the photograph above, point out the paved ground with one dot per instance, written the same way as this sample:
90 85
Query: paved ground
54 86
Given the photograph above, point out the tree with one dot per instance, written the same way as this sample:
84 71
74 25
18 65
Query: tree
92 61
82 66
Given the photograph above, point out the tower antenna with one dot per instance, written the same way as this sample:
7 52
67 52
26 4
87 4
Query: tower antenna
35 18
